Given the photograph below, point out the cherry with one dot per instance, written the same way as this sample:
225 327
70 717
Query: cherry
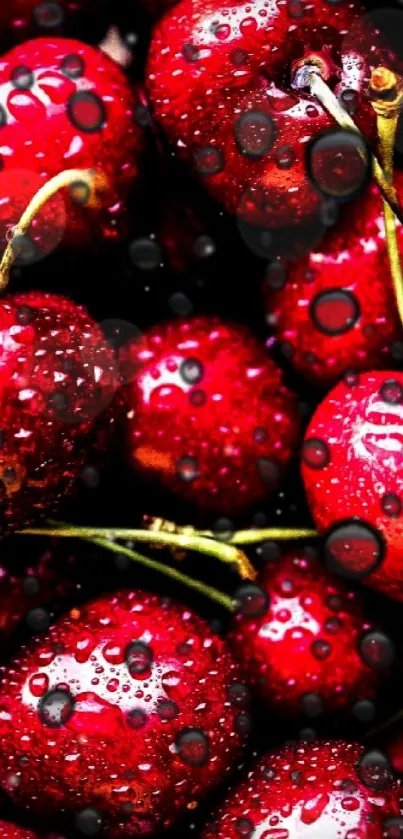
316 790
62 104
57 378
208 415
9 830
352 461
23 19
311 650
334 310
129 708
227 95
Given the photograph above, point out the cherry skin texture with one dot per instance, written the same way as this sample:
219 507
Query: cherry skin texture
307 791
23 19
57 379
220 80
352 470
64 110
336 309
9 830
303 654
149 721
208 415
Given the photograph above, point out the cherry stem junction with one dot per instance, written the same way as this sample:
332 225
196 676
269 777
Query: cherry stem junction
386 92
309 76
64 179
185 541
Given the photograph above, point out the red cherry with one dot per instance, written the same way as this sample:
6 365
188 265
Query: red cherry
311 651
57 377
9 830
129 708
62 105
220 79
323 790
23 19
334 310
208 415
352 461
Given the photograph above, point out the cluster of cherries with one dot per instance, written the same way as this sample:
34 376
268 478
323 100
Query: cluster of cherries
130 709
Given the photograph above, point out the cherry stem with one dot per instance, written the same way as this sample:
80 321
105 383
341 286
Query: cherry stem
64 179
240 537
326 97
384 83
202 588
184 541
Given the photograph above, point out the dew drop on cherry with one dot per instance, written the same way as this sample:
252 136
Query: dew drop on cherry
364 710
353 549
391 505
339 164
244 828
252 601
187 469
48 15
22 78
391 392
374 770
193 746
191 371
89 821
167 710
312 705
393 828
315 453
334 312
377 650
73 66
86 111
56 708
137 718
254 133
320 649
209 160
138 657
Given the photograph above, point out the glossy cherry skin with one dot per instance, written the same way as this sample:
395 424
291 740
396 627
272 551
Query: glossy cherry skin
352 462
220 79
23 19
308 791
335 310
63 104
9 830
58 377
302 655
208 416
150 718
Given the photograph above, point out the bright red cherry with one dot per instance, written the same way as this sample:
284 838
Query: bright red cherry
334 310
62 105
208 415
221 77
311 650
352 467
9 830
322 790
57 378
23 19
127 712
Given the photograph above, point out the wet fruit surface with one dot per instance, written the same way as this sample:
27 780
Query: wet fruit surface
353 449
313 791
57 379
311 651
61 104
208 416
334 311
124 708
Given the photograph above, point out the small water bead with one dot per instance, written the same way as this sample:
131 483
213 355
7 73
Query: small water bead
73 66
377 650
391 392
38 619
285 157
221 31
254 133
138 657
312 705
56 708
334 312
137 718
191 371
168 710
315 453
187 469
89 821
86 112
244 828
391 505
22 78
350 100
321 649
31 585
48 15
374 771
38 684
243 724
353 549
269 472
209 161
238 695
145 253
193 746
339 163
364 710
252 601
393 828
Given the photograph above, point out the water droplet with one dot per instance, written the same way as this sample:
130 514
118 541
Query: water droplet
320 649
391 505
285 157
391 392
73 66
339 163
137 718
22 78
191 371
252 601
138 657
364 710
48 15
353 549
334 312
238 695
312 705
187 469
167 710
86 111
377 650
209 160
244 828
374 770
193 746
269 472
89 821
145 254
393 828
254 133
56 708
315 453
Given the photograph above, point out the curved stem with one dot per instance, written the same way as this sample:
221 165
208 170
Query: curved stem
202 588
229 554
240 537
387 115
326 97
64 179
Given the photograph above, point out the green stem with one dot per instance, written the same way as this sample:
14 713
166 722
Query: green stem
252 537
189 542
